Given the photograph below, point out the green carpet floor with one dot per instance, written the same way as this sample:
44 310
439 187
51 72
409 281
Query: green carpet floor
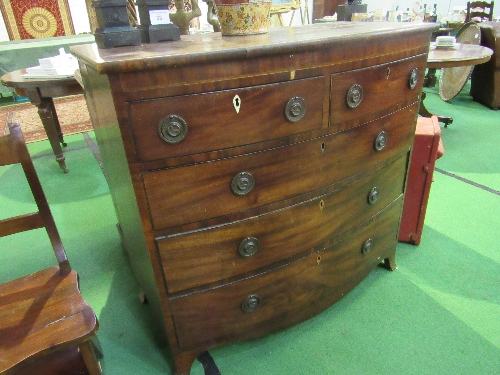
439 313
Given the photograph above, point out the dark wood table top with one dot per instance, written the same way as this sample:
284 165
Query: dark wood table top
462 55
49 87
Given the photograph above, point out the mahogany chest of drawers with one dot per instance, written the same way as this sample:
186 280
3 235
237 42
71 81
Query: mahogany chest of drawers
256 179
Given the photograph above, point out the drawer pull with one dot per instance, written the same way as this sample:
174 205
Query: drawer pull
242 183
413 80
248 247
172 129
367 246
354 96
295 109
381 141
250 303
373 196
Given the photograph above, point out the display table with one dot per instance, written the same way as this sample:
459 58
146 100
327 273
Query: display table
19 54
41 93
464 55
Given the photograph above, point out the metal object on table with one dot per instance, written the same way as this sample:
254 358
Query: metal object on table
155 21
113 25
453 80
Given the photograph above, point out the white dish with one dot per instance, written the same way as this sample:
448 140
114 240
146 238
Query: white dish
444 46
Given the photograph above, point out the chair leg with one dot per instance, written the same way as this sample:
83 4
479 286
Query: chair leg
91 355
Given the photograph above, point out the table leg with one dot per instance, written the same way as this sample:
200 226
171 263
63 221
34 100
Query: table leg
47 113
430 78
423 111
56 123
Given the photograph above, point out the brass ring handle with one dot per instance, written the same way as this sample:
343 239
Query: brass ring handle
295 109
373 195
242 183
367 246
354 96
172 129
248 247
413 80
380 141
251 303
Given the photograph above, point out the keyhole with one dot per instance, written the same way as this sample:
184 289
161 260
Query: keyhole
237 103
323 146
388 72
321 205
318 259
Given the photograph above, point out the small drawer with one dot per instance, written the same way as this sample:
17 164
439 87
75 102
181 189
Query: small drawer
362 92
185 125
255 306
202 191
202 257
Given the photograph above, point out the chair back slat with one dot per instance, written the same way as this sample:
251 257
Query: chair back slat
13 150
481 9
20 224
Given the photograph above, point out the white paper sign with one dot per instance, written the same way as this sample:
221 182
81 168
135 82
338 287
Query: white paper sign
159 17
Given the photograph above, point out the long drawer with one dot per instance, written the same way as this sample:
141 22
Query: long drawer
262 304
206 256
223 119
189 194
360 92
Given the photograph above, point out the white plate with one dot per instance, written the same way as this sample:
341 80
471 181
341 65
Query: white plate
444 46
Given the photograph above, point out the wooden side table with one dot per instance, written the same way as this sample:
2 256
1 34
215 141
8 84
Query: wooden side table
464 55
41 93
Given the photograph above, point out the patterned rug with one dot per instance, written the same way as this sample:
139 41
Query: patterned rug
71 110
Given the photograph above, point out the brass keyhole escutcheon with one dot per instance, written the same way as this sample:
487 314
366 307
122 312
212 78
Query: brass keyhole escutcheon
295 109
321 205
237 103
388 72
354 96
380 141
318 259
251 303
172 129
242 183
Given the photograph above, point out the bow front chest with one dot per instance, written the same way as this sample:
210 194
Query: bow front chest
256 179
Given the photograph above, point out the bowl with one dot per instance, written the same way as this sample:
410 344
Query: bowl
243 18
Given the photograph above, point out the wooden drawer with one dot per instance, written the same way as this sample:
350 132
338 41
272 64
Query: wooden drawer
381 86
198 258
213 123
306 287
189 194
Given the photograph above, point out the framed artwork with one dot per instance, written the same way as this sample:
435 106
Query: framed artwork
36 18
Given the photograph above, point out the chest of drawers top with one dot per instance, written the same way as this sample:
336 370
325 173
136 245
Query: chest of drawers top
344 45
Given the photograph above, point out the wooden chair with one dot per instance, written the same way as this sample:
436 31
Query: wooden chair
481 9
41 314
